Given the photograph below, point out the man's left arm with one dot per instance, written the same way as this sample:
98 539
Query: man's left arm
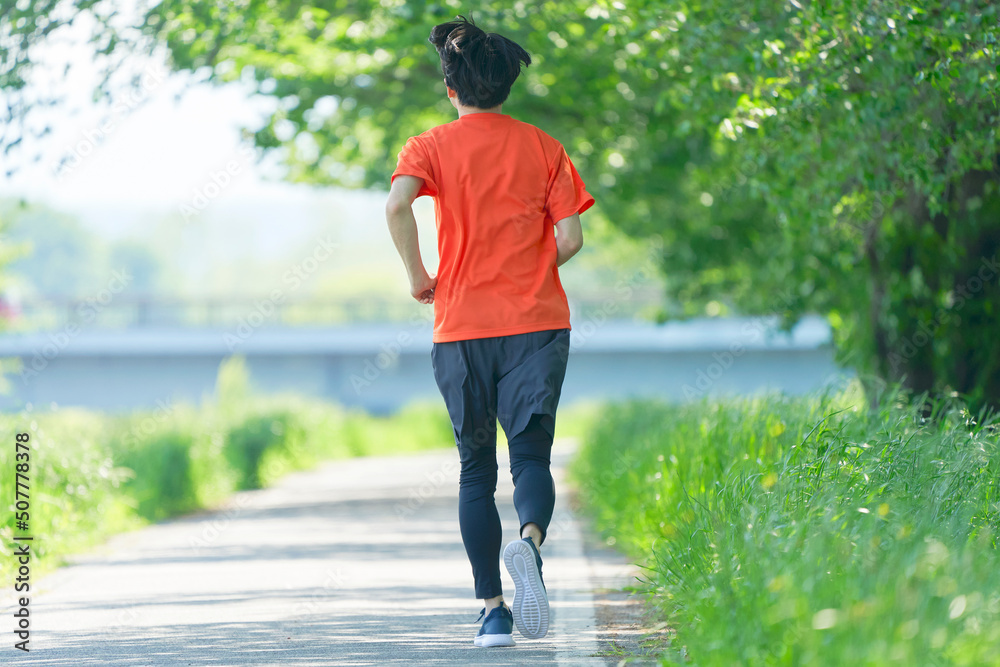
403 228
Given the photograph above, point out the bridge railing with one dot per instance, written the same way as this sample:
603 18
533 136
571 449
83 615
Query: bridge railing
54 312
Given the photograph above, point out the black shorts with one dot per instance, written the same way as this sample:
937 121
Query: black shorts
509 378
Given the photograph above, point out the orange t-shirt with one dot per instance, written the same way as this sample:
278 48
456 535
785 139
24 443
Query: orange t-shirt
499 186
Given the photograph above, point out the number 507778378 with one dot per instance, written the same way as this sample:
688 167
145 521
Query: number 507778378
21 468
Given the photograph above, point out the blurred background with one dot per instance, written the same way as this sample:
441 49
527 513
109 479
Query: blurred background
198 291
180 186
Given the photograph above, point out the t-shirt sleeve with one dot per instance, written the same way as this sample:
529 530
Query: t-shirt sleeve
566 192
414 161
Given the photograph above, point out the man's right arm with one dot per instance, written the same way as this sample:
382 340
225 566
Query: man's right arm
569 238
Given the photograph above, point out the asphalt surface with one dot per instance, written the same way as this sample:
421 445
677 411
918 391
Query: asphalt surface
359 562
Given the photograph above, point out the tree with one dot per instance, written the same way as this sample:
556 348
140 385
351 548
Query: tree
870 132
837 157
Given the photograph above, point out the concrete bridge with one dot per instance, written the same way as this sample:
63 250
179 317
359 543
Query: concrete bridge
382 366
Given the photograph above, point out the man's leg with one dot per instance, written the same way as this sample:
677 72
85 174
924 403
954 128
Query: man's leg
464 374
479 520
532 373
534 490
531 377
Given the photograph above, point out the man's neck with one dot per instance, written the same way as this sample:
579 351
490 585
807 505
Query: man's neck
463 110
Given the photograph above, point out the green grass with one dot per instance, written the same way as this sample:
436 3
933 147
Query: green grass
93 475
788 531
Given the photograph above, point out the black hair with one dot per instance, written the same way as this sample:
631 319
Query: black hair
479 66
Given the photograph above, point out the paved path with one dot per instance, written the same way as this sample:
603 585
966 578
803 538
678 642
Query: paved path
358 562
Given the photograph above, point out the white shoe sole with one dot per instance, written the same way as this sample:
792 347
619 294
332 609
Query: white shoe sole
531 604
486 641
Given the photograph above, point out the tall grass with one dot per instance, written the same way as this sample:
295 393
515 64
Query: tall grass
93 475
787 531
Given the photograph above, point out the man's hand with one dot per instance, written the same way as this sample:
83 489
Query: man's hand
423 289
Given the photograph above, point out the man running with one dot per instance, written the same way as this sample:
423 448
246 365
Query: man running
507 201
